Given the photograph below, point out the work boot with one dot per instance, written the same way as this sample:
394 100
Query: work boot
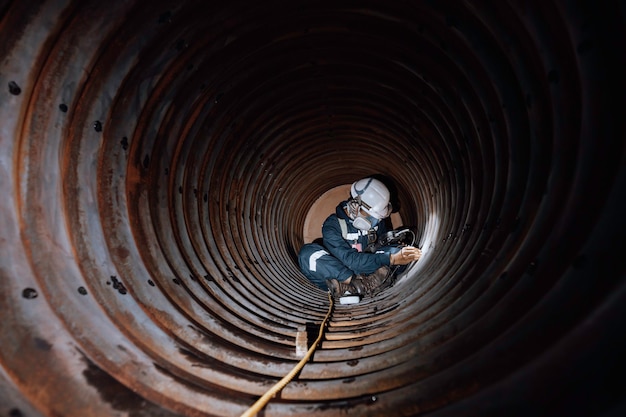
340 288
370 283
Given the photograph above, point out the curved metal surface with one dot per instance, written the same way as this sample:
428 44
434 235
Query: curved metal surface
158 160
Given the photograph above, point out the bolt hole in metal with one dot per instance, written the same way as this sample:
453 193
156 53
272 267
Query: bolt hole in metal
160 161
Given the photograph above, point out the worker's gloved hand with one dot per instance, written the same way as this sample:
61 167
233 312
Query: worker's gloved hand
405 256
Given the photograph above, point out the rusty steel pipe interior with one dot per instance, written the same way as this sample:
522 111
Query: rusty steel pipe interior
159 159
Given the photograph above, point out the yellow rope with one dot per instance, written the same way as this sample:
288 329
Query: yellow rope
261 402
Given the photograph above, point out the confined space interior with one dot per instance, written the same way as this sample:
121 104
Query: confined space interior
159 160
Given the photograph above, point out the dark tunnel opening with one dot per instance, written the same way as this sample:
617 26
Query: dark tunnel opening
159 159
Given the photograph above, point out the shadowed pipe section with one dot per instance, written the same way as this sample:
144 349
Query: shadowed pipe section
159 160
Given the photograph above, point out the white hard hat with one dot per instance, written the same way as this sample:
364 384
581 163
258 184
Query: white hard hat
373 196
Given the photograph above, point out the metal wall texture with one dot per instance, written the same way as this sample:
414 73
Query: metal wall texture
158 160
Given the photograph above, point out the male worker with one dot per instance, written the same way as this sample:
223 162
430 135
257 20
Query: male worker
346 263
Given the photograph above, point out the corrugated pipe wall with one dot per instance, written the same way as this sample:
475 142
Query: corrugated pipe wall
159 158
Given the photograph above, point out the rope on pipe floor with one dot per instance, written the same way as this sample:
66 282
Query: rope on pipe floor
262 402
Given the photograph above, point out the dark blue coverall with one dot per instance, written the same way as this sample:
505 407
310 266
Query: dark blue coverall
341 257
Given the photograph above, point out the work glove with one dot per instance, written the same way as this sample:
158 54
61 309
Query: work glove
405 255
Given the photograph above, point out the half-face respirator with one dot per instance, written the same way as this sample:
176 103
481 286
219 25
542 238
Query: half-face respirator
365 223
363 220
